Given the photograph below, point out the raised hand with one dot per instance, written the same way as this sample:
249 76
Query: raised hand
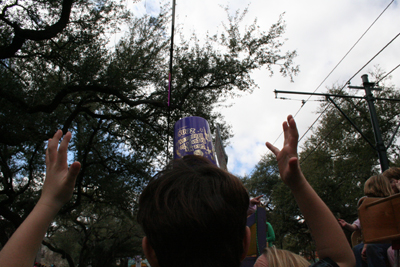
287 157
21 248
60 180
256 200
342 223
329 238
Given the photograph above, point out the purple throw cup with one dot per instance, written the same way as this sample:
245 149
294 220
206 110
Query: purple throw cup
192 136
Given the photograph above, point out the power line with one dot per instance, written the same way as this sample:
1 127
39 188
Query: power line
336 67
340 122
347 53
374 56
387 74
320 142
348 81
340 91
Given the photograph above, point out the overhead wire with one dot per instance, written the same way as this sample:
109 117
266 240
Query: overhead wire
320 142
387 74
334 70
336 125
348 82
359 39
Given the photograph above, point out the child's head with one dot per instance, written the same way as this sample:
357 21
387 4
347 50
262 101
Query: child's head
273 257
393 174
194 214
378 186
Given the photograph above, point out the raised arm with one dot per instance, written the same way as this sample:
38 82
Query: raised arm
346 225
328 236
254 202
58 187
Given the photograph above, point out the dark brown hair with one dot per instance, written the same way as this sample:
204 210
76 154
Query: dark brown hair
392 173
194 214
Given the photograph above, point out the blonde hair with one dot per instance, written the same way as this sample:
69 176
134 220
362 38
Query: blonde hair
281 258
378 186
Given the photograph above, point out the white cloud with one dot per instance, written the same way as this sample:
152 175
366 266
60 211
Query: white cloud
322 32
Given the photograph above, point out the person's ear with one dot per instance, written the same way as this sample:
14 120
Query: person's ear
246 243
149 252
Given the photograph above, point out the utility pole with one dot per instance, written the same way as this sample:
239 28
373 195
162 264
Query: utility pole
380 146
368 87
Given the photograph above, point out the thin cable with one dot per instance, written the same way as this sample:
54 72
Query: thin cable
335 68
374 56
346 54
333 128
387 74
309 128
348 81
340 122
315 148
171 54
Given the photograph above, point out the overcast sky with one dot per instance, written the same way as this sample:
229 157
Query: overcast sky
322 32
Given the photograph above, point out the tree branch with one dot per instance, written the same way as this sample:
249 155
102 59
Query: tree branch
21 35
60 251
48 108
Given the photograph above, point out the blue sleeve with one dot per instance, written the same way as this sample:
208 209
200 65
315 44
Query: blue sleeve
327 262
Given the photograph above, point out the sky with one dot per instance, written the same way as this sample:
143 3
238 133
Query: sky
322 33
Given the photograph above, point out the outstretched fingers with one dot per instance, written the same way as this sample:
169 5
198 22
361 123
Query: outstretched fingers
292 130
60 180
63 149
52 145
273 149
285 128
73 172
